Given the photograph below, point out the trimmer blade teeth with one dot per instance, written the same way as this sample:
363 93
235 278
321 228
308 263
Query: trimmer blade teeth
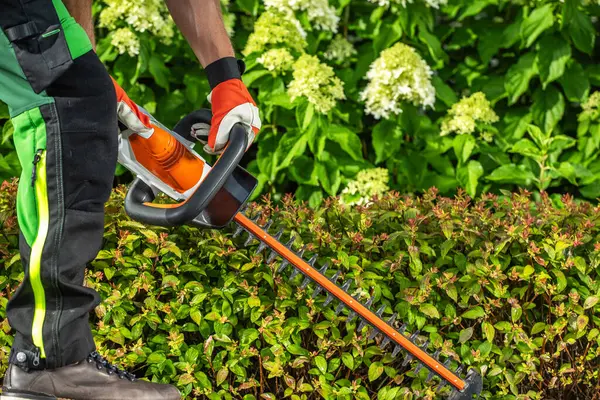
460 369
414 335
290 242
272 256
473 387
335 277
316 292
425 345
261 247
431 372
278 234
384 342
397 350
324 268
312 260
249 240
369 303
407 360
362 324
351 315
418 368
283 265
328 300
392 319
442 384
346 285
256 217
339 308
238 231
373 333
402 329
300 254
294 274
305 282
380 310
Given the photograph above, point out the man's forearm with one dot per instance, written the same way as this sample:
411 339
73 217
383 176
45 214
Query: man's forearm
81 10
201 23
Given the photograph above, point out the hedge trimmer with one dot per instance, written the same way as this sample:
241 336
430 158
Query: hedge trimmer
212 197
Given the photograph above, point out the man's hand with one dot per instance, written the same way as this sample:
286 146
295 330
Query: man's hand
130 115
231 104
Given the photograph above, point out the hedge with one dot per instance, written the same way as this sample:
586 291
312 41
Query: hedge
509 285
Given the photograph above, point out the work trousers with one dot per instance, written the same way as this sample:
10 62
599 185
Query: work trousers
63 108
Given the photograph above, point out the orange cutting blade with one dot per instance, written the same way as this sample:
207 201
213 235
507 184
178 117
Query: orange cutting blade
372 318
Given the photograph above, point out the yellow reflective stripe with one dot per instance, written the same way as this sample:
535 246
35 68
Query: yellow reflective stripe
35 266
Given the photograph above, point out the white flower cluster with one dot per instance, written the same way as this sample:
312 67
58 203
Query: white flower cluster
317 82
403 3
368 183
274 29
140 16
398 75
126 42
340 49
278 61
462 118
592 103
319 12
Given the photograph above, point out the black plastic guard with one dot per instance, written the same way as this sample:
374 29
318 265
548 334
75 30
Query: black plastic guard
472 390
228 201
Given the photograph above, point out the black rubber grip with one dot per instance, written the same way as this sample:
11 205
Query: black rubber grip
140 193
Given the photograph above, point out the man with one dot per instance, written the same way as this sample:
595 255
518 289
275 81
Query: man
64 108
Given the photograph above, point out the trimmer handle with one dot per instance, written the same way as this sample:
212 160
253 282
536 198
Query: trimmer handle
139 206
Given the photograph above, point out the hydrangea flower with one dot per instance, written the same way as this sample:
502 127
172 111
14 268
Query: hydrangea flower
317 82
146 16
125 41
340 49
320 14
368 183
277 61
275 29
592 103
462 118
398 75
403 3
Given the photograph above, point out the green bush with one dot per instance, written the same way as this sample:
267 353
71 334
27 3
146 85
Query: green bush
507 285
531 64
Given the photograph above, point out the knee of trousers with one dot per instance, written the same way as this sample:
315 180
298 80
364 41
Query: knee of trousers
86 104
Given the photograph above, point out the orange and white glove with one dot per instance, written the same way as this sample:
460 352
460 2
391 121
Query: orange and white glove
130 114
231 103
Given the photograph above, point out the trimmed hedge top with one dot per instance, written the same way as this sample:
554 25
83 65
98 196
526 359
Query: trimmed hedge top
508 285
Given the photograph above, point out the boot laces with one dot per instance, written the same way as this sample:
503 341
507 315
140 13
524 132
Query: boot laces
110 368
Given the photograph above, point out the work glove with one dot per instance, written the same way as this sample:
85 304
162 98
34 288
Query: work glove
130 114
230 102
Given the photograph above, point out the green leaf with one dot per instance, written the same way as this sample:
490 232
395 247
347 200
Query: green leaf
474 313
249 6
567 171
511 173
291 145
321 363
536 23
526 148
222 375
518 76
590 302
444 92
538 327
561 280
248 336
548 108
575 82
348 360
159 71
389 33
347 140
580 26
553 54
308 116
386 138
375 371
328 173
430 310
463 147
4 111
465 335
489 331
469 175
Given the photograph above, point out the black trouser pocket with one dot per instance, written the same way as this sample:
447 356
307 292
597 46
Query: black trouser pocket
42 53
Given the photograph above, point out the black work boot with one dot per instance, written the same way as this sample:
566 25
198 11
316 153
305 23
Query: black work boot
91 379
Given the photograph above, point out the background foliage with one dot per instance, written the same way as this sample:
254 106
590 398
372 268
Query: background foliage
535 62
507 285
